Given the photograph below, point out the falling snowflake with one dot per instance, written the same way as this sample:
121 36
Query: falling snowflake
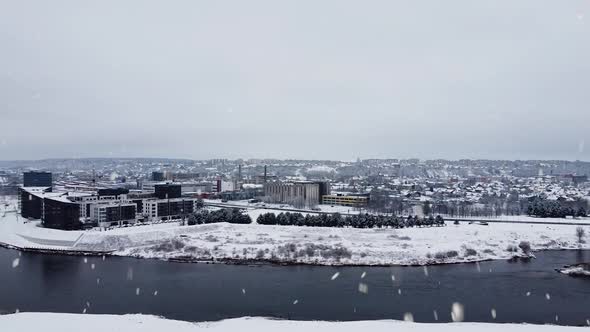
137 290
15 263
426 271
155 293
130 273
88 304
392 277
244 291
478 267
556 318
435 315
408 317
98 281
85 260
528 293
493 312
103 257
457 312
92 266
84 311
296 301
335 275
363 288
547 296
363 275
399 291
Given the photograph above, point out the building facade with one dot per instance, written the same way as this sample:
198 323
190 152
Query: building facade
299 194
60 213
168 191
346 200
163 209
112 214
37 179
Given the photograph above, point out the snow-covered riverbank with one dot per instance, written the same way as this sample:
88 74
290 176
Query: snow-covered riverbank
329 246
293 244
50 322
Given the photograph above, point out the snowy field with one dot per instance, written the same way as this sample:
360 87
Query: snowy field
293 244
50 322
332 246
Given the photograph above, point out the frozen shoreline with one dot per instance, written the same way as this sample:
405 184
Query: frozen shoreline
54 322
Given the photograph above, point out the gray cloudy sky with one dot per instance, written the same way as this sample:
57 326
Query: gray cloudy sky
329 79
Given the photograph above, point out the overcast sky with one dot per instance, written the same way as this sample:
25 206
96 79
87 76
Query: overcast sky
295 79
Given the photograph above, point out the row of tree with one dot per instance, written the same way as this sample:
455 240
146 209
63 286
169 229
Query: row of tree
355 221
544 208
232 216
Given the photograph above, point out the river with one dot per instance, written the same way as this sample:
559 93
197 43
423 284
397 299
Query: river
204 292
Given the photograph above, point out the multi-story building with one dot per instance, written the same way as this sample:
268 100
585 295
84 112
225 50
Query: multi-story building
346 200
113 213
298 194
60 213
162 209
168 190
157 176
37 179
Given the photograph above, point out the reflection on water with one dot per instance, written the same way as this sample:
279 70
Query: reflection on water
198 292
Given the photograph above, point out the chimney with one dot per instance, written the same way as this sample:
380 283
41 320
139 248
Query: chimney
264 173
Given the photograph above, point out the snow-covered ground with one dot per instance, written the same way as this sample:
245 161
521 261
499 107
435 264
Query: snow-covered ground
51 322
19 232
525 218
319 245
293 244
579 270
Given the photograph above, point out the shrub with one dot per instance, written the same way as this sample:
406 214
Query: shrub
470 252
169 246
525 246
211 238
452 253
445 255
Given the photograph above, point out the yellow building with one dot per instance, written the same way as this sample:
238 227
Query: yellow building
345 200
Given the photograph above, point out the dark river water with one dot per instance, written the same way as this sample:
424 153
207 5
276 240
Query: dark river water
202 292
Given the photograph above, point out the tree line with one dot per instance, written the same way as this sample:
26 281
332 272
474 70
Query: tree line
355 221
543 208
232 216
236 216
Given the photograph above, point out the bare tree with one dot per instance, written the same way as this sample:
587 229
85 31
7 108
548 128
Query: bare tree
580 233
